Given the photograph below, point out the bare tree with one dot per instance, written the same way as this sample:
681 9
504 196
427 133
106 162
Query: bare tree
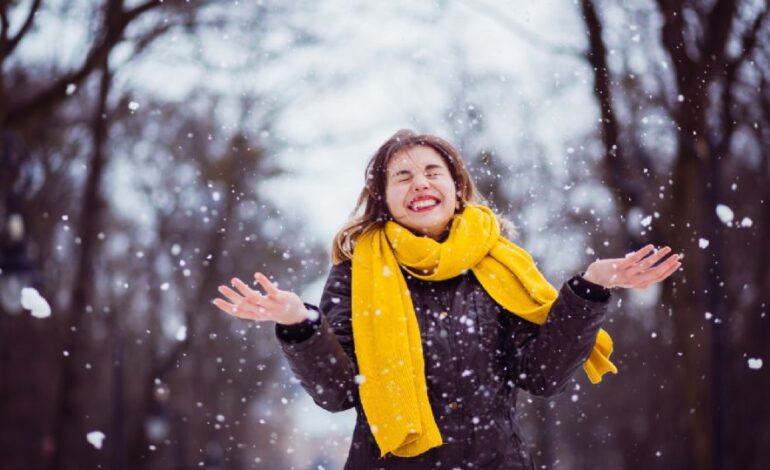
703 90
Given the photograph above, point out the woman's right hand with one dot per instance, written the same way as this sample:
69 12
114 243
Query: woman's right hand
281 306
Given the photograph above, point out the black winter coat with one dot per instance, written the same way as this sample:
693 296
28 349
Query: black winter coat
477 355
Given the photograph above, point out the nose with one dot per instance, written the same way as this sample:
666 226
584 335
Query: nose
420 181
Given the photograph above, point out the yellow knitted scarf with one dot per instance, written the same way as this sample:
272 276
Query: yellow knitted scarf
386 335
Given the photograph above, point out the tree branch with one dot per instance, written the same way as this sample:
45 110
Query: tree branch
115 22
672 37
717 29
8 45
749 40
5 25
610 128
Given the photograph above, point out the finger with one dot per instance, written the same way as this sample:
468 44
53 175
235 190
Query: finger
636 256
226 307
244 289
660 278
256 299
646 263
254 311
241 311
230 294
649 261
674 268
662 271
266 284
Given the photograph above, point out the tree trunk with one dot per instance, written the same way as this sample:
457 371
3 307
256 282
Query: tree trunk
67 418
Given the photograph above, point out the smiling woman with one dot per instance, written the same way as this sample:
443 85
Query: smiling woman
431 319
407 169
420 192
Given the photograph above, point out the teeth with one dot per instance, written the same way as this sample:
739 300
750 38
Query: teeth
424 203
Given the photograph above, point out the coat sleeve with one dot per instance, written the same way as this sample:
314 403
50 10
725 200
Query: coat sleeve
320 353
544 357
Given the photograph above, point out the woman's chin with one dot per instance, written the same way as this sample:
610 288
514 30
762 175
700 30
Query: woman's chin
431 232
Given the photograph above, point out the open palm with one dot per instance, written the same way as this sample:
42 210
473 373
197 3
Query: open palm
281 306
636 270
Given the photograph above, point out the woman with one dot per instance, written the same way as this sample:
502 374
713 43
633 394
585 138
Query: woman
431 319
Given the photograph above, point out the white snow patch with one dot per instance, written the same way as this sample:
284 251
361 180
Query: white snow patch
312 314
181 333
35 303
725 214
95 438
755 363
703 243
646 221
746 222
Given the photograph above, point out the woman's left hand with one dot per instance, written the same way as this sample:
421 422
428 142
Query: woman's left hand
635 270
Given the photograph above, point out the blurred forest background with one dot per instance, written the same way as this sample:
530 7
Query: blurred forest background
151 150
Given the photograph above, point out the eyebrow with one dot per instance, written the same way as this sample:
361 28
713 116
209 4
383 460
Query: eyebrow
431 166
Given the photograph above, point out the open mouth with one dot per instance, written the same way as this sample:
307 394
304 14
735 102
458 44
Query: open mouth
424 204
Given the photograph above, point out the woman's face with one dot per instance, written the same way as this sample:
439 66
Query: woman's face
420 192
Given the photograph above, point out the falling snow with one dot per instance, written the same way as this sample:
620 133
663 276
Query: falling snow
725 214
35 303
181 333
95 438
312 315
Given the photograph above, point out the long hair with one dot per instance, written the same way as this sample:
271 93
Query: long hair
371 210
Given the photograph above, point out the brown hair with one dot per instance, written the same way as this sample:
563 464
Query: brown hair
372 198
